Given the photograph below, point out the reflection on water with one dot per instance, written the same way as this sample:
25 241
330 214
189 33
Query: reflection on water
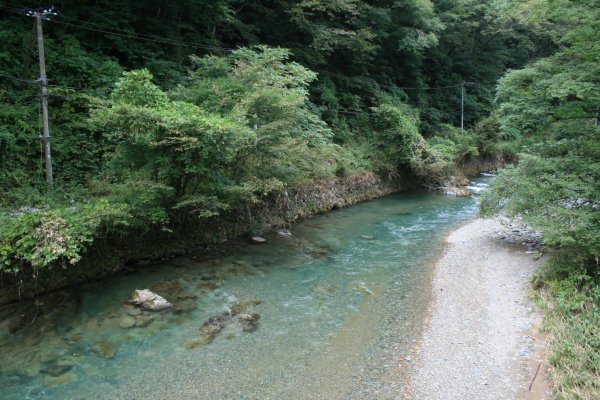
297 317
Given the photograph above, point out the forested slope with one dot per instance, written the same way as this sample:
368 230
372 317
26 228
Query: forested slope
168 110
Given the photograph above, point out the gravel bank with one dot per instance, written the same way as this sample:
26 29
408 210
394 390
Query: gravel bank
481 340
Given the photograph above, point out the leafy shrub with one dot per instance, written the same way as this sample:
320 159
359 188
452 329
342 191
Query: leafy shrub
395 136
42 237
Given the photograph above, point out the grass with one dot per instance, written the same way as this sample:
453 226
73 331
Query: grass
569 297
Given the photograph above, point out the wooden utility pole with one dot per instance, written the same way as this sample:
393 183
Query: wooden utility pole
44 90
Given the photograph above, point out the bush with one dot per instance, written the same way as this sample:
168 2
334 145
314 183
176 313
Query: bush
395 137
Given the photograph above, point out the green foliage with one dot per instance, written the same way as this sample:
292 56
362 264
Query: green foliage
547 105
570 298
550 108
267 93
555 191
55 236
396 136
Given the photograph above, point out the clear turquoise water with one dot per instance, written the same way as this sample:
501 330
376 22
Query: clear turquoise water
348 288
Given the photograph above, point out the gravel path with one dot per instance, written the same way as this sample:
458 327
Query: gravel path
480 341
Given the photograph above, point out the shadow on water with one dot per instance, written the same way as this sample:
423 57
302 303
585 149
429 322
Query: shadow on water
290 318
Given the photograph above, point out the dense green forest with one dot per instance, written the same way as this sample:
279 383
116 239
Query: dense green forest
162 111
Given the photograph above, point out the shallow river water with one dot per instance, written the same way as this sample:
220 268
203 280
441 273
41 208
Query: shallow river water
330 312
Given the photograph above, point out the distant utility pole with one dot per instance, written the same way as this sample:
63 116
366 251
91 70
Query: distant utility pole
39 14
462 104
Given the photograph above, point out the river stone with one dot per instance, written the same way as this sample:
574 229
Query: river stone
249 322
75 337
257 240
208 285
321 252
184 306
143 320
56 369
64 379
149 300
104 349
213 326
284 233
456 191
134 312
127 321
197 342
242 306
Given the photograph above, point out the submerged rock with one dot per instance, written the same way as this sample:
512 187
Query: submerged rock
75 337
361 287
149 300
64 379
56 369
321 252
184 306
284 233
143 320
169 289
234 318
241 268
213 326
195 342
104 349
208 285
242 306
249 322
126 322
134 312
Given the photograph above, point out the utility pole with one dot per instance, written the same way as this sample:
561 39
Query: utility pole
44 89
462 104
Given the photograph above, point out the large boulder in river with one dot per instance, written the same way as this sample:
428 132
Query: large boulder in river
149 300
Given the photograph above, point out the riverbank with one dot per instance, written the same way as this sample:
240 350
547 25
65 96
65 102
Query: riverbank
113 254
481 340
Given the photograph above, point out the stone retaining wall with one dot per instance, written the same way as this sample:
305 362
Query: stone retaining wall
114 254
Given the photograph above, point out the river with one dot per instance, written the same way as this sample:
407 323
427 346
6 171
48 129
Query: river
332 311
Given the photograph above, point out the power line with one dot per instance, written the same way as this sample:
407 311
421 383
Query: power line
18 79
147 39
428 88
124 33
143 36
399 87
